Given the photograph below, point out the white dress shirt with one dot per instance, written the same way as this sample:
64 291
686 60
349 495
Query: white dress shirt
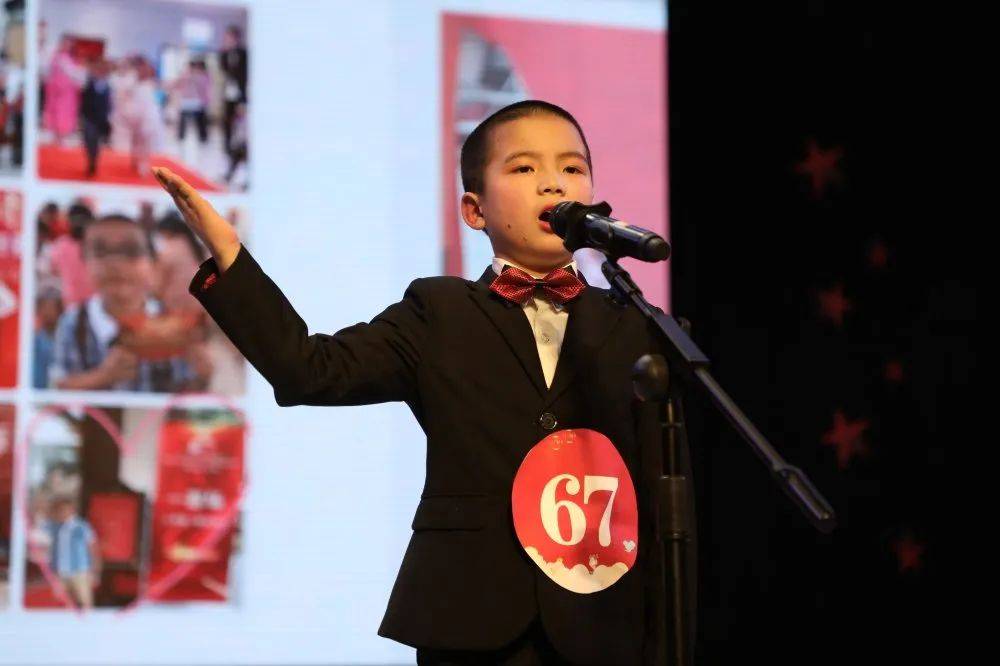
547 320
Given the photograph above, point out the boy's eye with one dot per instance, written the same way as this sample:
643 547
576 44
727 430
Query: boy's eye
525 168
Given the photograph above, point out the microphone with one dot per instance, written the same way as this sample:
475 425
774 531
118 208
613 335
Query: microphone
580 225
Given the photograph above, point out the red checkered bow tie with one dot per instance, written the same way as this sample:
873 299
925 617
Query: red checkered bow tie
515 285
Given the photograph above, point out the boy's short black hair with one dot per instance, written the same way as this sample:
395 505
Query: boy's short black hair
475 149
125 219
49 293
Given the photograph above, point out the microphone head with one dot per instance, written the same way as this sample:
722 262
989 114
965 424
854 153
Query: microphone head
567 213
656 249
561 214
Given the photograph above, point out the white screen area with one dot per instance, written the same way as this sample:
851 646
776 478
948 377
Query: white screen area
346 207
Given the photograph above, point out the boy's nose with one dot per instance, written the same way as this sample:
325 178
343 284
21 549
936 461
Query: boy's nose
550 188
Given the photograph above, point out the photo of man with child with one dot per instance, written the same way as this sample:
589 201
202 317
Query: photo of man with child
112 308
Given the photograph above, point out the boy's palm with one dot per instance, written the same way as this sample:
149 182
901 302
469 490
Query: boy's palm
197 212
213 229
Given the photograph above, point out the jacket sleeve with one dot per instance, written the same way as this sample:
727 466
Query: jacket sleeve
358 365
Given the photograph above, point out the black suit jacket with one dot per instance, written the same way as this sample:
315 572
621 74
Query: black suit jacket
466 363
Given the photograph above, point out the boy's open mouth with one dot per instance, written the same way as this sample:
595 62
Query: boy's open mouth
544 215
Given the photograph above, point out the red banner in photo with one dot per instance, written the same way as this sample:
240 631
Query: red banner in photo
10 285
199 486
116 518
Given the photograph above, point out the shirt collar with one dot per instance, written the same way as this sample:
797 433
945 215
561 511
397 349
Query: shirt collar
499 263
105 326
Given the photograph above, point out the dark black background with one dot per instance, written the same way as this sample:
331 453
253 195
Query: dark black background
750 84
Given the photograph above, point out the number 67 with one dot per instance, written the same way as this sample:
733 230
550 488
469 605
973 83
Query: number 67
577 520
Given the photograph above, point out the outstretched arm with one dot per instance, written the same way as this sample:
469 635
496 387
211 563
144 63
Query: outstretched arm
361 364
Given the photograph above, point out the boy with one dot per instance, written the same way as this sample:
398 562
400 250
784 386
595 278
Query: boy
87 353
75 555
488 368
48 309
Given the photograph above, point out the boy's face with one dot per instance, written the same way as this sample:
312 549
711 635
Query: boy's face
63 511
533 163
48 310
117 259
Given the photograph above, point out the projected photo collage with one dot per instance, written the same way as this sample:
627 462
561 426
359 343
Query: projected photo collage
122 430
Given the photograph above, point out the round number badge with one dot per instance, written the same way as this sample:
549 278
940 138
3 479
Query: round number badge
575 510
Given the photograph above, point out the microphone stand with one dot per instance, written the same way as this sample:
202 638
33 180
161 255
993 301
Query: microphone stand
651 382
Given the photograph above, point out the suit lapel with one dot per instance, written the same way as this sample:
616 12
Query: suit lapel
513 326
592 316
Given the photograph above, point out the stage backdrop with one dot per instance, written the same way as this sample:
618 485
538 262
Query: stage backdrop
333 133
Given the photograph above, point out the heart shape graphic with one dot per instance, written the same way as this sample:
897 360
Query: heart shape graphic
221 524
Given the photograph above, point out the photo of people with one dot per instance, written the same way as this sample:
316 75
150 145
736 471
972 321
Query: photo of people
131 506
10 285
11 87
112 308
113 100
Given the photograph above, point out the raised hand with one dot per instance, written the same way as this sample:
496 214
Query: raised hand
218 235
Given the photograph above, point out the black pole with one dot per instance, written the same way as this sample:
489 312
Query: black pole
652 382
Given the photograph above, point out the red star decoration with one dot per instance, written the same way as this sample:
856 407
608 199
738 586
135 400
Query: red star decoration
894 372
821 167
833 304
909 553
845 437
878 255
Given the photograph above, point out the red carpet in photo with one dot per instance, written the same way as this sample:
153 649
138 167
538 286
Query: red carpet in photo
113 167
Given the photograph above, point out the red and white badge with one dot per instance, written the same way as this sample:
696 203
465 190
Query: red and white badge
575 510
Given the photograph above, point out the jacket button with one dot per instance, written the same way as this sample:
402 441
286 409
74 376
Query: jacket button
548 421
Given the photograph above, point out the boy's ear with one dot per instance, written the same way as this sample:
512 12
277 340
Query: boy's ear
472 211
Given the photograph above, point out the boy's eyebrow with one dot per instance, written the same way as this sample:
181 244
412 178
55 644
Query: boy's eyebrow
531 153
